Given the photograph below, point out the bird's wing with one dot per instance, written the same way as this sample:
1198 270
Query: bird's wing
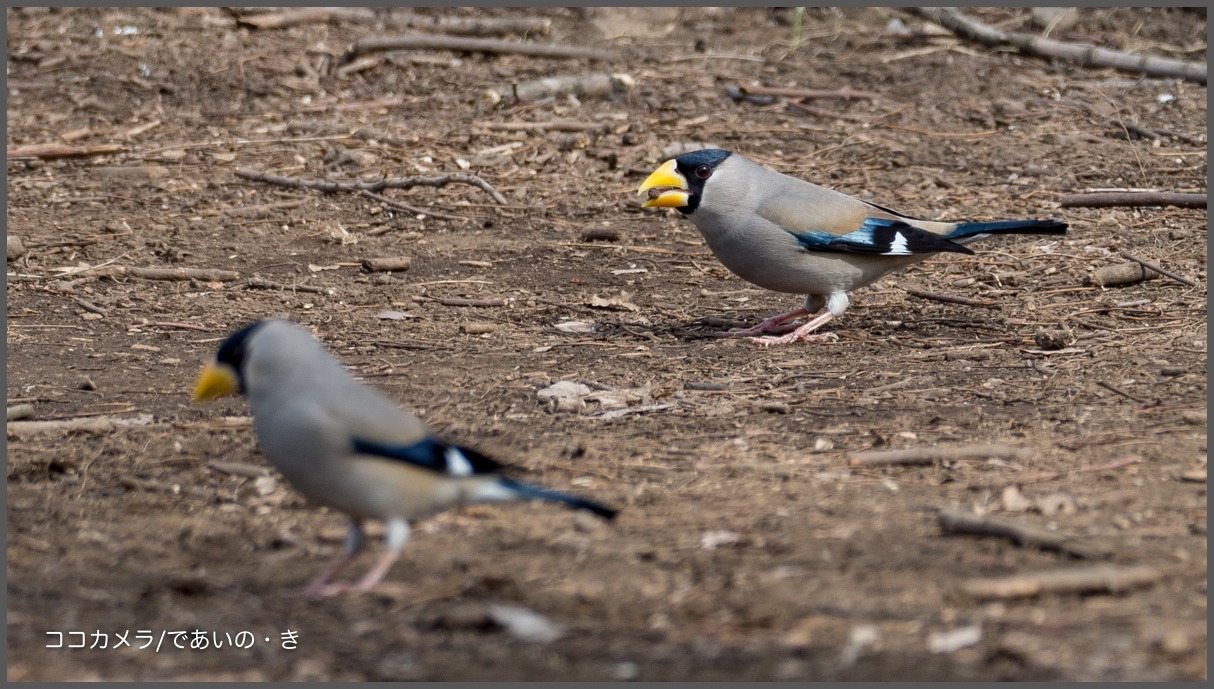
432 454
826 220
880 236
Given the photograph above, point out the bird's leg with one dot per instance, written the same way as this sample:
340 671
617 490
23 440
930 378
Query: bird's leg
802 333
355 540
835 303
775 324
398 536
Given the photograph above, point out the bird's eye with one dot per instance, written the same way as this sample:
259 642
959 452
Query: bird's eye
704 172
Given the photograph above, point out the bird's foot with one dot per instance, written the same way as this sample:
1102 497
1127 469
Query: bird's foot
776 325
802 333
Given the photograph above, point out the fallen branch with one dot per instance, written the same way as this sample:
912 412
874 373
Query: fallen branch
954 521
1082 54
950 299
373 44
844 93
1147 264
96 424
1133 199
181 274
177 274
60 151
1097 579
352 187
931 455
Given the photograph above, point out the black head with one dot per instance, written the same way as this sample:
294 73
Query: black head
697 167
234 350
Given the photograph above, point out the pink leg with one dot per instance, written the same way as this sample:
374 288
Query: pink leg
320 586
398 535
802 333
775 324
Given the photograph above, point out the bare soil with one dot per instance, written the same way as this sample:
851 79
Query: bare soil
748 546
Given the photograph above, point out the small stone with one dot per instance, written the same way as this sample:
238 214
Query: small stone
625 671
16 249
1053 340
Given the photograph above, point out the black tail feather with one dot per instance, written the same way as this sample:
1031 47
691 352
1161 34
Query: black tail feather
573 501
969 229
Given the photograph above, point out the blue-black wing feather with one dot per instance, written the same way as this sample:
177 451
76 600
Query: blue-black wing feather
432 454
884 236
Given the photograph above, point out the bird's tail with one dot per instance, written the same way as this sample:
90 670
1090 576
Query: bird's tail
977 230
529 492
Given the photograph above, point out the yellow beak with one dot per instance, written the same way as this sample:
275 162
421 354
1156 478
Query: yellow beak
666 186
216 380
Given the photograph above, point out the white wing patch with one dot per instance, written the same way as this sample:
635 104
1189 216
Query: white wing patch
457 463
898 246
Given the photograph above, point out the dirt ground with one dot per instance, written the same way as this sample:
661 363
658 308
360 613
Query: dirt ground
748 546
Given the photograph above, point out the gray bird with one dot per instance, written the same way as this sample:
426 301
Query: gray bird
344 445
787 235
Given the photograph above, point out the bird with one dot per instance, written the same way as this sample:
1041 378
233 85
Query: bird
344 445
788 235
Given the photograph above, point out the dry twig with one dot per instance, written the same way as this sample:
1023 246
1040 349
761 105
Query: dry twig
1133 199
954 521
173 274
1082 54
930 455
60 151
96 424
844 93
1100 578
373 44
331 187
1147 264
